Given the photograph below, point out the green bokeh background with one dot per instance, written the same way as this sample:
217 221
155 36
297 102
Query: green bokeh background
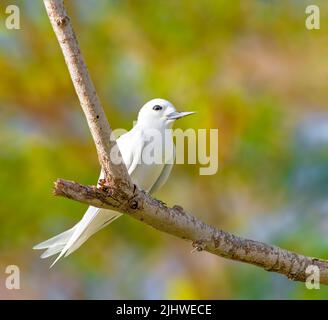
248 67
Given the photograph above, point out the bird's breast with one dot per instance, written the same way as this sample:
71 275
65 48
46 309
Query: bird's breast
153 161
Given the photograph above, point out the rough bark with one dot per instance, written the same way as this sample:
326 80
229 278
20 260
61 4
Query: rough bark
120 194
176 221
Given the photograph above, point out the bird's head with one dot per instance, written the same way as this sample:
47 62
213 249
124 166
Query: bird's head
159 113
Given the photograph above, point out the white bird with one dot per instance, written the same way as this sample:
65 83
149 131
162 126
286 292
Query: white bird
157 115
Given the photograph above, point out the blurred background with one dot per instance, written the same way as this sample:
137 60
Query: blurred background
249 68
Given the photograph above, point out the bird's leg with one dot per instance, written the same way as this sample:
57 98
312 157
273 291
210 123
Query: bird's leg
103 186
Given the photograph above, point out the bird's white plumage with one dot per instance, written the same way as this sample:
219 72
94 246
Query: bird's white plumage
157 114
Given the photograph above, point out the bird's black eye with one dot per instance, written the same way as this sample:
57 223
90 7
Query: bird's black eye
157 108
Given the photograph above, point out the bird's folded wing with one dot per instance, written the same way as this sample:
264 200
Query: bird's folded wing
164 175
131 145
137 143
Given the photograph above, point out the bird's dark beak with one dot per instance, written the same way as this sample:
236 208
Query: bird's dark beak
178 115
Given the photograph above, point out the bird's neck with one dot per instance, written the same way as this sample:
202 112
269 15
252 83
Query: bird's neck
154 125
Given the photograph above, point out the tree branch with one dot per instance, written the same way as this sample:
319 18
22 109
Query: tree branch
94 113
121 195
179 223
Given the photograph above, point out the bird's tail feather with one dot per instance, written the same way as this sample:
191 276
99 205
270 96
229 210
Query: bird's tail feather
59 239
70 240
52 251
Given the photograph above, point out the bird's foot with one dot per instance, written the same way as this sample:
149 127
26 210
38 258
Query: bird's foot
103 185
198 246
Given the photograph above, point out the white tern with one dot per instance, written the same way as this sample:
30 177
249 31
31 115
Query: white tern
157 114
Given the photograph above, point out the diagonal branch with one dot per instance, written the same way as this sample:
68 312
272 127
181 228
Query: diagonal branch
118 193
93 111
